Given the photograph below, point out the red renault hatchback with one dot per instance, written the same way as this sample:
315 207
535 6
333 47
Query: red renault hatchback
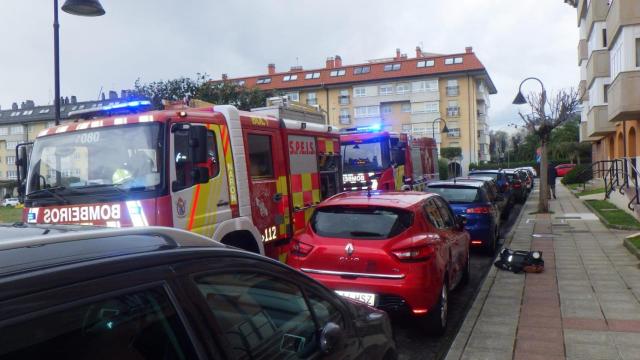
398 251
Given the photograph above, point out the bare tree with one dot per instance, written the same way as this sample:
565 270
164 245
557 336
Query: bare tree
547 115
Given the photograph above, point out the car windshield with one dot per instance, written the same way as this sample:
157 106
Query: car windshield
124 156
457 194
360 223
368 155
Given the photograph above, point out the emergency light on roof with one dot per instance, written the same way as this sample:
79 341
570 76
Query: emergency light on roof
130 104
121 108
369 128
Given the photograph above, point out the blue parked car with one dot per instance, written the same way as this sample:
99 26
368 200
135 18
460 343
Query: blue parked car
471 200
504 186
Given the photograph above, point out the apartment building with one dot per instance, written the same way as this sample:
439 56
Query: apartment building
399 94
23 122
609 60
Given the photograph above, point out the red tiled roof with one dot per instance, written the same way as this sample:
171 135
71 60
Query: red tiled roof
408 68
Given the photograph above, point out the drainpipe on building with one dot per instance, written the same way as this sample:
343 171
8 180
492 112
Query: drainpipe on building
328 109
624 149
472 131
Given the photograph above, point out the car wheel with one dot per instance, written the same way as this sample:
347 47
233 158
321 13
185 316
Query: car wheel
436 321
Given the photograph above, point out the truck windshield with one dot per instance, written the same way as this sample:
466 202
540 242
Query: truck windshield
125 157
365 156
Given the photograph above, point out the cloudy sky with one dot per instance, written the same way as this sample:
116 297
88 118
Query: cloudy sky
163 39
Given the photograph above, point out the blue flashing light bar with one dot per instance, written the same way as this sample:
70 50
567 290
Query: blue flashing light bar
368 128
130 104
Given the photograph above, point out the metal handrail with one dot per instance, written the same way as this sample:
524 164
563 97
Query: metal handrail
633 176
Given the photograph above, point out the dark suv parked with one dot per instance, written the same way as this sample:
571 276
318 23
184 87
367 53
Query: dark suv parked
158 293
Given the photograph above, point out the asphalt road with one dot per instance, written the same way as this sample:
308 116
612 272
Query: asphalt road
411 341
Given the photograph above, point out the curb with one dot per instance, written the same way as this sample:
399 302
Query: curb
632 249
607 223
464 332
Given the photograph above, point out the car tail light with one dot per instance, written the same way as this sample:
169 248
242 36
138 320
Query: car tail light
416 248
301 249
479 210
476 242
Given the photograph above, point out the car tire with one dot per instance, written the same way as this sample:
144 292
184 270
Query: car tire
435 323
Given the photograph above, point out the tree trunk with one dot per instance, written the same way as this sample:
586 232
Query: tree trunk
543 202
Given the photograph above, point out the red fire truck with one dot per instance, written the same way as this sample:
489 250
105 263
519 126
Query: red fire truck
386 160
241 178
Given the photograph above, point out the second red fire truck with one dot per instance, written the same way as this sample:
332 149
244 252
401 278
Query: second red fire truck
241 178
386 160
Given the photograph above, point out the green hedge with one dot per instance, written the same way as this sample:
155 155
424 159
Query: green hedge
503 165
578 175
443 169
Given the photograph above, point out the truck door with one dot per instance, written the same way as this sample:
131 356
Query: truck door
198 207
268 183
305 181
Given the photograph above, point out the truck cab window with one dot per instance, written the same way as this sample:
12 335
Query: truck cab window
260 156
183 162
212 157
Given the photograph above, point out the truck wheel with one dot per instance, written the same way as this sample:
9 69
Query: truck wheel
242 240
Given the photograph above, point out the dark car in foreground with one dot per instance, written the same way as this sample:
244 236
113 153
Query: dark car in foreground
399 251
471 200
159 293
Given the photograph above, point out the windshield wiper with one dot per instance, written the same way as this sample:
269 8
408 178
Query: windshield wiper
51 191
364 233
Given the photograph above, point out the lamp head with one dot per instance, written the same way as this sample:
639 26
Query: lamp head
83 7
519 100
445 129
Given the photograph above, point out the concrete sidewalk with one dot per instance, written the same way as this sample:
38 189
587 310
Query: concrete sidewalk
585 305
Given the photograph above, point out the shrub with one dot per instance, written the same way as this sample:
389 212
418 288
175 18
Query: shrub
578 175
450 152
443 169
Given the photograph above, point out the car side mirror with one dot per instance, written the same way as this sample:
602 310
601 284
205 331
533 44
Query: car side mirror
330 337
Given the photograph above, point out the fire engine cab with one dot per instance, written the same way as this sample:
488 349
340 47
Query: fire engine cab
386 160
241 178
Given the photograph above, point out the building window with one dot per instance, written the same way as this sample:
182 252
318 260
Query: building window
385 109
11 160
367 111
425 63
403 88
12 174
405 107
457 60
339 72
4 131
637 52
15 113
419 86
293 96
605 95
616 58
312 99
453 109
448 61
17 130
11 145
386 89
361 70
343 99
454 132
260 156
432 107
392 67
290 77
27 112
452 88
263 81
359 92
344 116
432 85
604 38
313 75
240 82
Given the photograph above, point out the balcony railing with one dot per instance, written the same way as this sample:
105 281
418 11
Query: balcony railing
453 90
453 111
343 99
345 119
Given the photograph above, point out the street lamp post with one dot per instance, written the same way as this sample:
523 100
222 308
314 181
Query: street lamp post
74 7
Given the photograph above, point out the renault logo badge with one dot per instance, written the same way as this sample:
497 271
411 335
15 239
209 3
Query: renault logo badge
349 249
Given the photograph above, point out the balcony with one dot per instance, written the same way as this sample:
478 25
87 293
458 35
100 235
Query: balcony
598 65
343 99
582 9
583 93
345 119
621 13
453 111
624 96
597 11
598 123
453 90
582 51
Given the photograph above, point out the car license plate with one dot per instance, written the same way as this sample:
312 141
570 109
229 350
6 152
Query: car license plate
369 299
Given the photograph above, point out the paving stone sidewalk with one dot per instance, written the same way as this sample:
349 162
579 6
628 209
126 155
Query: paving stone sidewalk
585 305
